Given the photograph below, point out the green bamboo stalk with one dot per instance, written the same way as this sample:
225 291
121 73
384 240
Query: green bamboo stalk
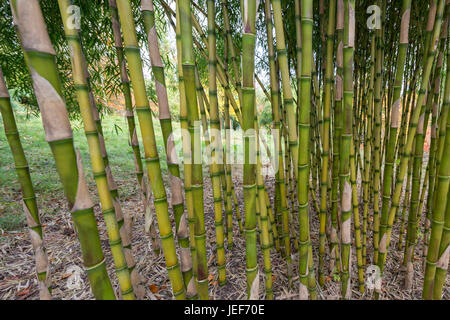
125 221
201 105
367 149
312 289
326 139
235 53
345 149
409 102
40 57
284 194
95 152
394 125
273 229
227 162
422 198
405 206
236 207
248 115
414 213
186 148
126 90
232 49
285 80
216 150
437 255
30 207
356 218
275 96
151 153
442 264
303 153
335 262
428 62
291 189
172 158
264 219
442 128
220 65
222 75
281 184
317 128
377 148
432 162
149 226
194 128
201 100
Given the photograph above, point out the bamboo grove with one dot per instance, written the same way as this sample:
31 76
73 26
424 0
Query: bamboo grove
359 95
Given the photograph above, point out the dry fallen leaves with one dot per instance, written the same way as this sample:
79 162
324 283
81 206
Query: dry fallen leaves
64 276
154 288
23 292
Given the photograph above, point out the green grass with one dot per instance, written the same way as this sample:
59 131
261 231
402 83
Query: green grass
42 166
